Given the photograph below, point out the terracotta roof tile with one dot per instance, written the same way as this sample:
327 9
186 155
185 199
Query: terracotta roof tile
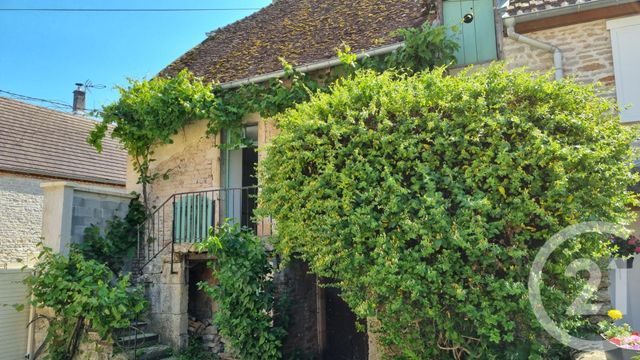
300 31
40 141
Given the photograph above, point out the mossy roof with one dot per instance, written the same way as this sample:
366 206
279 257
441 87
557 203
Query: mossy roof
301 32
520 7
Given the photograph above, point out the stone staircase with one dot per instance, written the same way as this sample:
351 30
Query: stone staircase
140 344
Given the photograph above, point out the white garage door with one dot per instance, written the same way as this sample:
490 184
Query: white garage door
13 324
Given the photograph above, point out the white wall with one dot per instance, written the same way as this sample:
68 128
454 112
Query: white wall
625 291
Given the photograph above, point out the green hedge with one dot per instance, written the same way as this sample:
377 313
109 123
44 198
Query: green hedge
428 197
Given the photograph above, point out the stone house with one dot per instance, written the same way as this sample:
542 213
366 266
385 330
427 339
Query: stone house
589 40
52 186
37 146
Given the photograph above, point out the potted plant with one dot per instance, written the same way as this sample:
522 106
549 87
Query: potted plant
626 342
626 249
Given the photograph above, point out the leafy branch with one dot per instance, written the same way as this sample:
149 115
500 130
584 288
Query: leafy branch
150 112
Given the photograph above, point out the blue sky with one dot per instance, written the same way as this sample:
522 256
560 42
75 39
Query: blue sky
42 54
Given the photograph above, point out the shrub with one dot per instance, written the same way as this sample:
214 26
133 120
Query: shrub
428 196
244 292
81 295
119 240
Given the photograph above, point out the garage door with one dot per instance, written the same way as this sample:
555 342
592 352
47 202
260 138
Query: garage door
13 324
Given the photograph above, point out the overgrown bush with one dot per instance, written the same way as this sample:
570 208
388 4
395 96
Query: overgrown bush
118 241
428 196
244 292
83 295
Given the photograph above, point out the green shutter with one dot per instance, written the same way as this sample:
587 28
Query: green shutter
193 216
477 39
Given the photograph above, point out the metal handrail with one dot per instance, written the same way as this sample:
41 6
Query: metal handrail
190 215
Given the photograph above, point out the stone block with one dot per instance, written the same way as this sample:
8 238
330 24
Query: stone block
173 298
172 328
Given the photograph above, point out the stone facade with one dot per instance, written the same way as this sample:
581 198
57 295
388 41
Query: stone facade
168 296
21 203
194 163
191 161
586 52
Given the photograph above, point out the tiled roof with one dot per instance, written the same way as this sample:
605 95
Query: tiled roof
300 31
40 141
520 7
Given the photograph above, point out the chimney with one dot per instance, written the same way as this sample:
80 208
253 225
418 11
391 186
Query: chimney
78 99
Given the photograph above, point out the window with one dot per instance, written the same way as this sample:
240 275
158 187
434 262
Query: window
240 178
625 33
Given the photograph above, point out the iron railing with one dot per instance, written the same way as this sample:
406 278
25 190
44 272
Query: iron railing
185 218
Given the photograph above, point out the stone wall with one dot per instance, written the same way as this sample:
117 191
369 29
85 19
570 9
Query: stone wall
167 293
21 202
586 52
191 161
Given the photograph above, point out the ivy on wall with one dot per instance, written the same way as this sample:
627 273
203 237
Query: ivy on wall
244 292
150 112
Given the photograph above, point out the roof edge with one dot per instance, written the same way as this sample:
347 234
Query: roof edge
575 8
61 175
319 65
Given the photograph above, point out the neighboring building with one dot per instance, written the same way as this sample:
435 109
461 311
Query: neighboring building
39 145
597 41
52 186
590 40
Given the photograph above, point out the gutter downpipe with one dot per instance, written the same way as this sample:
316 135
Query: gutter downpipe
311 67
510 24
31 331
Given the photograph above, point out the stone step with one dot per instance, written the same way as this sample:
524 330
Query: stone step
136 327
154 352
140 324
139 340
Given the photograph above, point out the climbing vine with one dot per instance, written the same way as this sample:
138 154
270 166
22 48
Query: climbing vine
150 112
425 47
118 240
83 294
244 292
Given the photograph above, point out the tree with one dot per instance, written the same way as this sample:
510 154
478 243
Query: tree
428 196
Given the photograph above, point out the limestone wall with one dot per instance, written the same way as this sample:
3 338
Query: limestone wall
22 205
586 50
192 163
20 217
